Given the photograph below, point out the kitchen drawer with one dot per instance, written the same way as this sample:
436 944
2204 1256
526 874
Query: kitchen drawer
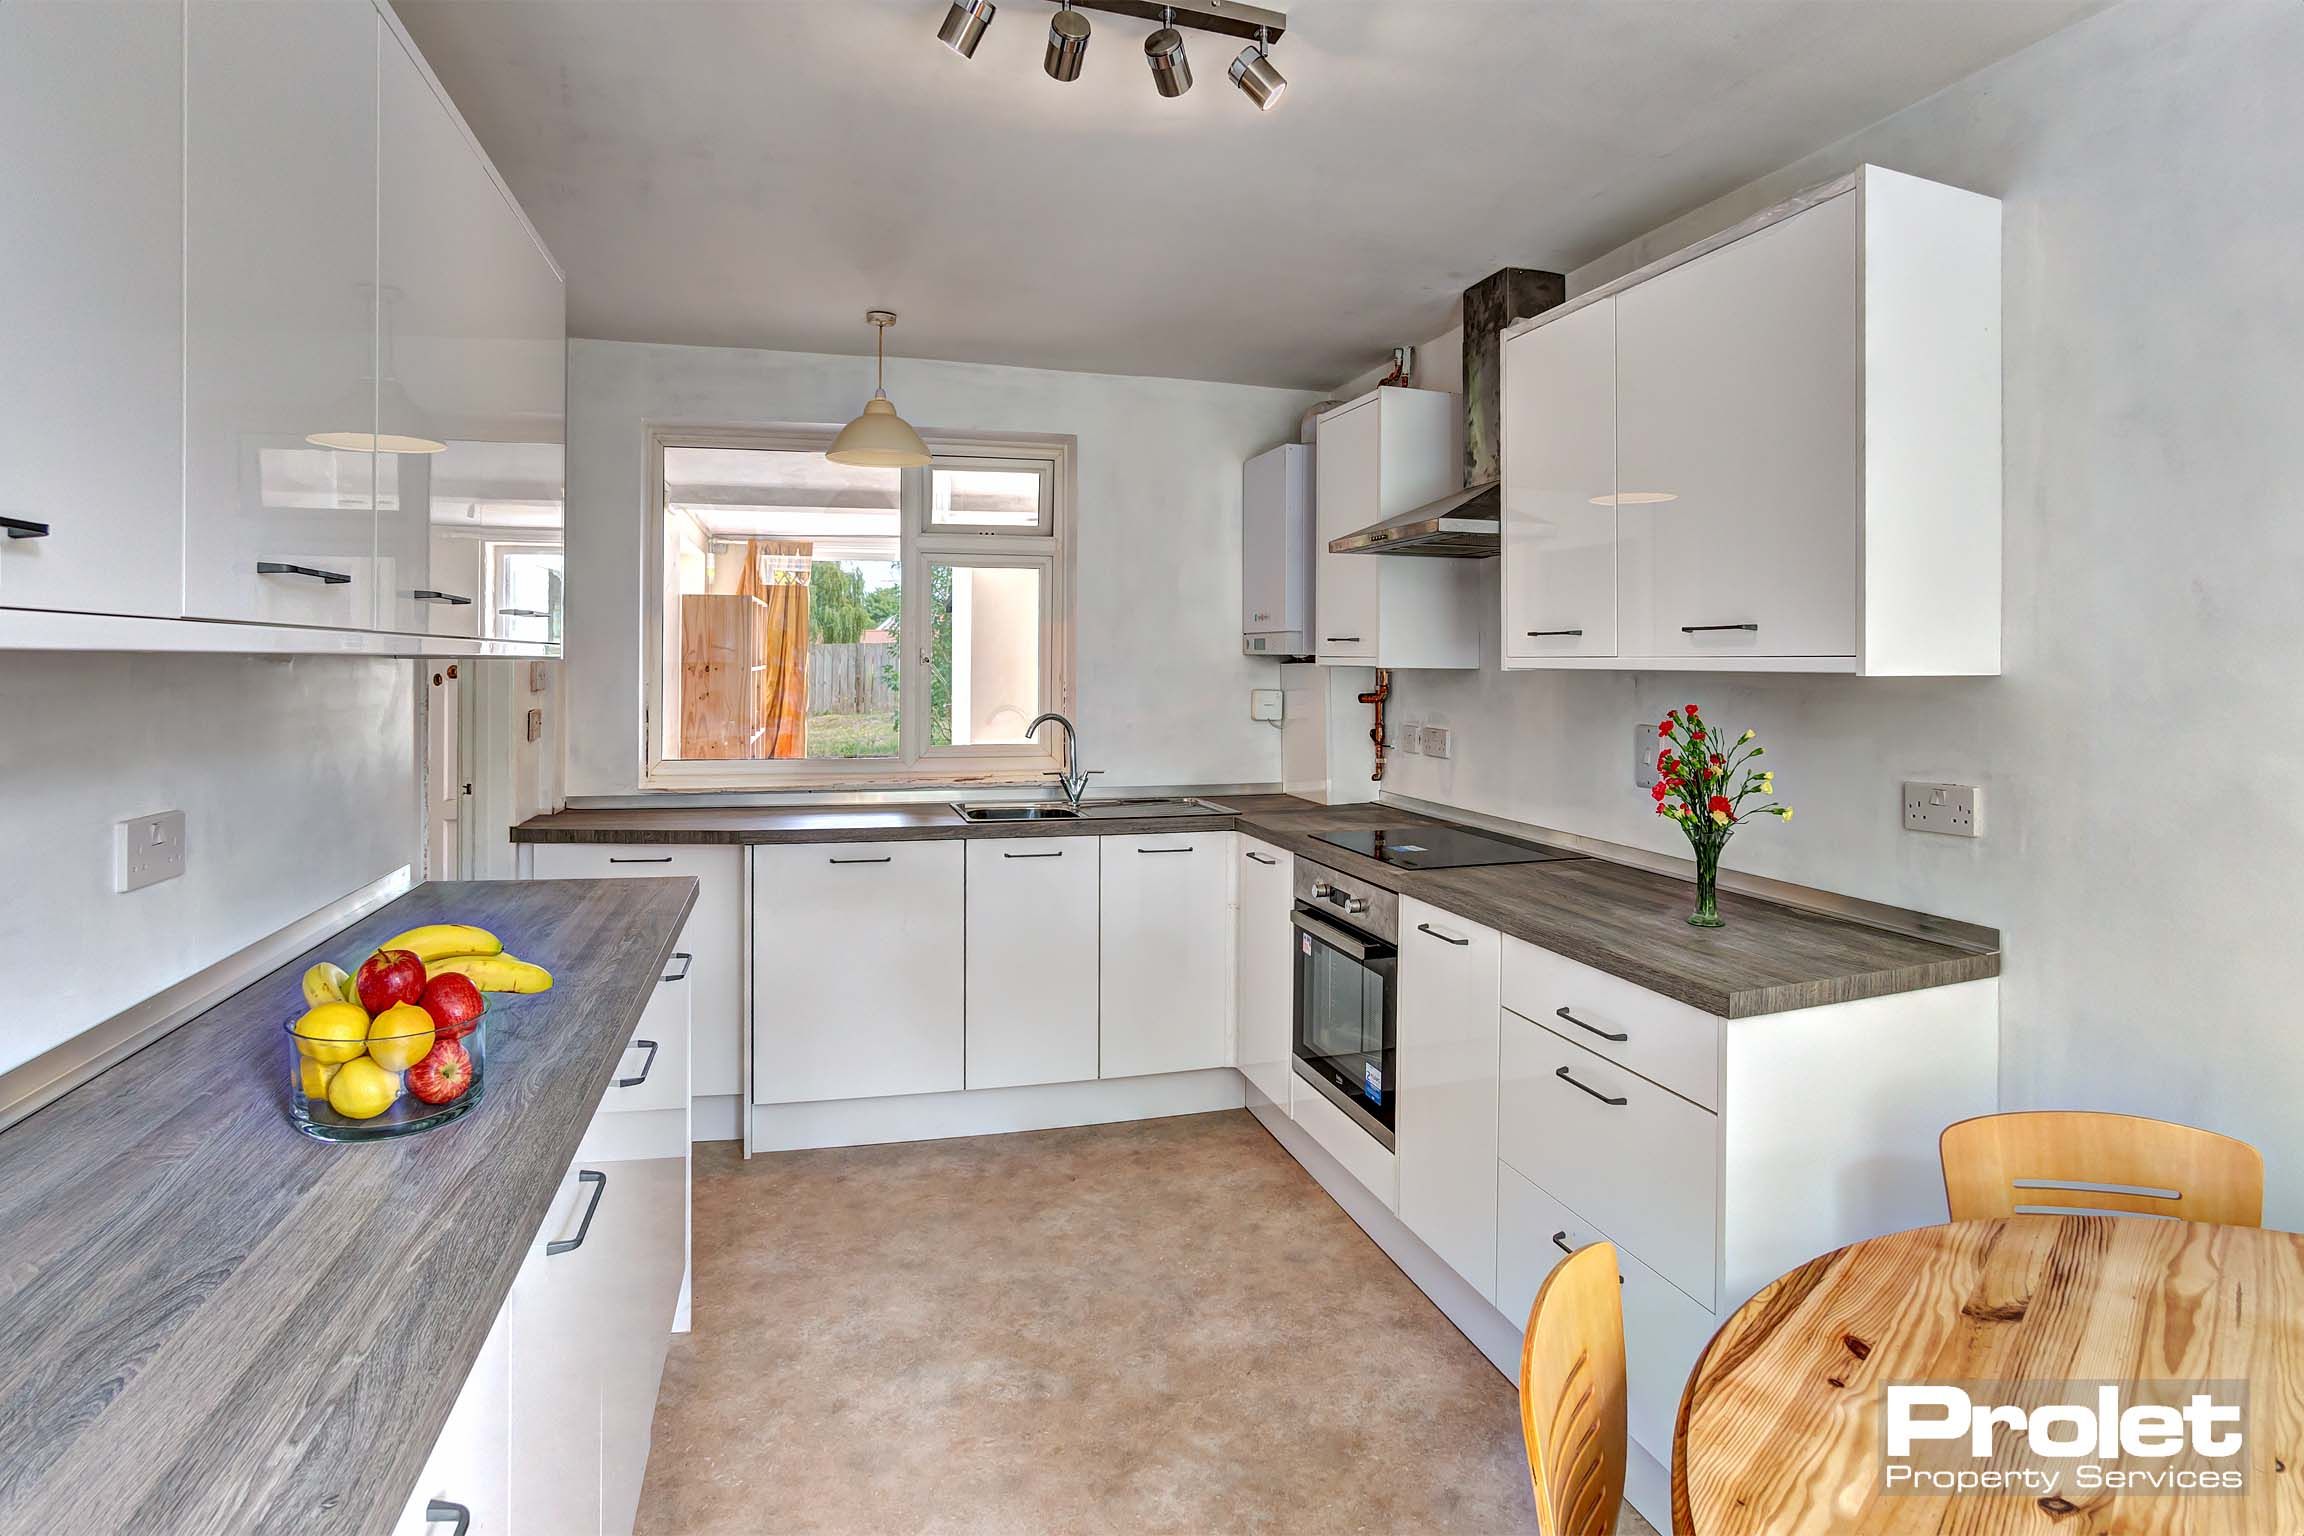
1664 1331
1664 1041
1641 1162
653 1073
1340 1136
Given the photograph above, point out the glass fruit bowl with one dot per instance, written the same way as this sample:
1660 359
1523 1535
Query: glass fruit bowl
353 1079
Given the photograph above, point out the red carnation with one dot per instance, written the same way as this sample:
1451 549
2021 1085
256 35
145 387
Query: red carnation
1664 727
1689 708
1722 805
1660 791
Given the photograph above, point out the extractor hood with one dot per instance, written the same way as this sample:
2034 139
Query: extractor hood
1462 525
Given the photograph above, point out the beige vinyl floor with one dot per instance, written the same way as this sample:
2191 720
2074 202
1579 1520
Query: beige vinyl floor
1161 1326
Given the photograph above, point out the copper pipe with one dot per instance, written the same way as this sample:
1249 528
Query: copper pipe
1382 692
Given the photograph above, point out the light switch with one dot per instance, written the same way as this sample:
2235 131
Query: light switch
147 850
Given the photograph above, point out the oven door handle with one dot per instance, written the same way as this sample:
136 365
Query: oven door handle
1337 936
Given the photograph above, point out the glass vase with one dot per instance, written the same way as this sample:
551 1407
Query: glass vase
1707 913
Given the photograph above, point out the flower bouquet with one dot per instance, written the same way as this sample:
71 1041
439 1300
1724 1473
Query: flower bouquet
1705 787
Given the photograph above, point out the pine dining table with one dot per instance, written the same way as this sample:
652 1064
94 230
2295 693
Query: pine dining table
1781 1428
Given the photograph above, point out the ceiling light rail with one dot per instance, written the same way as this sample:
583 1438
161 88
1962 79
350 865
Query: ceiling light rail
966 21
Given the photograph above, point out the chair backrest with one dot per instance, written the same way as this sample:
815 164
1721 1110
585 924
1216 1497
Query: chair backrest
1995 1165
1572 1395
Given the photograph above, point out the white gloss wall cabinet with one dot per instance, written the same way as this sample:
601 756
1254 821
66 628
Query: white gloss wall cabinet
1445 1111
91 374
1805 415
1167 952
1265 1007
714 935
1276 526
1388 452
1032 960
858 974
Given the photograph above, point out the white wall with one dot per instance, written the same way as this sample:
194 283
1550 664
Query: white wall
298 783
1162 684
2144 845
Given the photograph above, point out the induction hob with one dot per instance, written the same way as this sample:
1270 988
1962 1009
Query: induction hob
1436 847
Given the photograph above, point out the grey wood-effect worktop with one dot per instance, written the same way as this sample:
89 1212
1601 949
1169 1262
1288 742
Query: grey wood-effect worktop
210 1322
1630 922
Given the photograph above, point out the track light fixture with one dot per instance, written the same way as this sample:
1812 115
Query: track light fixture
1067 43
1164 51
1254 73
964 25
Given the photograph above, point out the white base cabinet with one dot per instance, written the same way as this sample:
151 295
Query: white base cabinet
1445 1110
1265 1009
1167 952
1032 961
468 1476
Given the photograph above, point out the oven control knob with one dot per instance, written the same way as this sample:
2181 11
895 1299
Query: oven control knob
1322 890
1356 905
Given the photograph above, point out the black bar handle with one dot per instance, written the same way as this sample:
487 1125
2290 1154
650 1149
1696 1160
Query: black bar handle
427 595
280 568
1341 639
1547 634
1560 1241
1596 1029
1562 1074
660 858
1163 850
1698 629
1262 858
599 1183
886 858
1442 937
524 613
686 960
441 1509
1057 854
18 528
646 1067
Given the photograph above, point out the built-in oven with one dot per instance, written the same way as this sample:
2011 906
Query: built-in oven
1346 935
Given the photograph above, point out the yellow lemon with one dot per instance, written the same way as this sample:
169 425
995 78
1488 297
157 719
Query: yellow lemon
316 1076
362 1090
333 1032
400 1037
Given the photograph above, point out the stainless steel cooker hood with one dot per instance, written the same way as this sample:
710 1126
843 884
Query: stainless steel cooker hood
1462 525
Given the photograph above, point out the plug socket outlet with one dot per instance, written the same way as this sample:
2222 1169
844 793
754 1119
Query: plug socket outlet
1954 810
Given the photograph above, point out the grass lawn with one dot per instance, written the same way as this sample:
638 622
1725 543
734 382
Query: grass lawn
852 735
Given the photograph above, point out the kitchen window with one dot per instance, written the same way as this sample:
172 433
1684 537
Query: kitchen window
816 624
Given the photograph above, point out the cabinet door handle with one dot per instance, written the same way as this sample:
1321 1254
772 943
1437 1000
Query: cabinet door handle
646 1067
1596 1029
523 613
1547 634
599 1183
1560 1241
660 858
886 858
1163 850
1698 629
1262 858
280 568
1343 639
18 528
1057 854
1442 937
427 595
440 1510
1562 1074
686 960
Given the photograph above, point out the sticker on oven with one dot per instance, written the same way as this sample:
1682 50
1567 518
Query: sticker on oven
1372 1082
1306 941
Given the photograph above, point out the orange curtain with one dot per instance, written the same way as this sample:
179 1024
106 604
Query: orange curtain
776 572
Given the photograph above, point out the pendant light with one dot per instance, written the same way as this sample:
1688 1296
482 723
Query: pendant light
879 439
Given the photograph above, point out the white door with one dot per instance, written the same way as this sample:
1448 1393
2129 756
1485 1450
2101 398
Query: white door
1348 493
1167 951
642 1232
91 307
858 973
1738 397
1031 960
1445 1116
1559 408
443 775
558 1310
1265 1027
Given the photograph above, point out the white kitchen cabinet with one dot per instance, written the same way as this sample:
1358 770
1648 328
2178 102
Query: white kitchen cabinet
470 1465
858 975
1167 952
91 306
646 1233
714 935
1806 425
1265 997
1445 1111
1388 452
1559 491
1032 961
654 1072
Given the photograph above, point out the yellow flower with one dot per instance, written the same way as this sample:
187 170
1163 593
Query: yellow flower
1786 813
1747 736
1719 818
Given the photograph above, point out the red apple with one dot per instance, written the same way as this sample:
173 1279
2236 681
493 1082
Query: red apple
389 976
454 1003
444 1075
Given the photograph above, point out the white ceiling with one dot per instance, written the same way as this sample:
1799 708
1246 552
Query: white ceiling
760 172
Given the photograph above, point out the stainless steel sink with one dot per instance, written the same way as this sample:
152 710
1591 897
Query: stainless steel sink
1016 810
1090 810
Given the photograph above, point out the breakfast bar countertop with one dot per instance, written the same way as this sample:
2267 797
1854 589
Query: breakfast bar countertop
1772 956
211 1322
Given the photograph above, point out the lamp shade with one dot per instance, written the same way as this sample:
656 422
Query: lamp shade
879 439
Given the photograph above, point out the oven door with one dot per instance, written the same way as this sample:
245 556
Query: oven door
1345 982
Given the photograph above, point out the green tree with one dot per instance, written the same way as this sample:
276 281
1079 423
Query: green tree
939 652
839 609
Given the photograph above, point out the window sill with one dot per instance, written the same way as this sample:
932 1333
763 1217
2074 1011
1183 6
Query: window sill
678 775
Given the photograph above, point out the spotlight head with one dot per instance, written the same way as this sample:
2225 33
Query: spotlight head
1067 44
1258 80
964 26
1171 71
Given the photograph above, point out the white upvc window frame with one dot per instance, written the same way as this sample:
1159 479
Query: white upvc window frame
916 765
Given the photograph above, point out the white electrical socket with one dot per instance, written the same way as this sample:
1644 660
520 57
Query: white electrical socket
147 850
1264 704
1436 741
1956 810
1407 737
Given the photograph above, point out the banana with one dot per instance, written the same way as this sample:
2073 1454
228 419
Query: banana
327 983
494 973
438 941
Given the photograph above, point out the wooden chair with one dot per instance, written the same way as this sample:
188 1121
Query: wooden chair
1572 1395
1992 1165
